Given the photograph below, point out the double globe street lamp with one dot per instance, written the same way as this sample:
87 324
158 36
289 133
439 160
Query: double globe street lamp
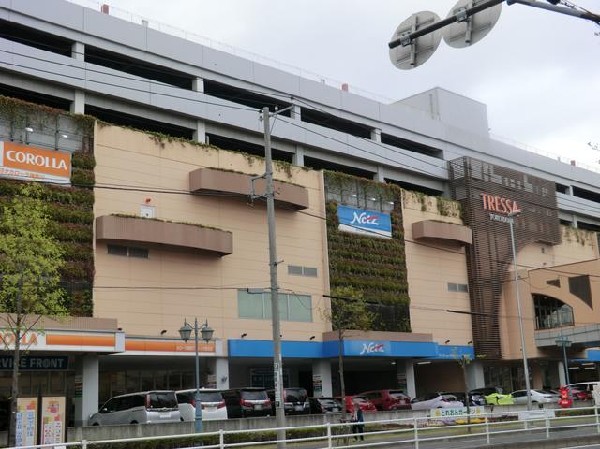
206 333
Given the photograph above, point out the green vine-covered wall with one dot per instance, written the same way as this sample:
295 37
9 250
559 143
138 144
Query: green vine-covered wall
374 266
70 208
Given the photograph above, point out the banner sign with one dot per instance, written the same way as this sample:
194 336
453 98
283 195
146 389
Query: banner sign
26 422
53 420
27 163
365 222
40 363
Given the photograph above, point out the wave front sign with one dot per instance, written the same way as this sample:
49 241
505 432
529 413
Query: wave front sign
24 162
365 222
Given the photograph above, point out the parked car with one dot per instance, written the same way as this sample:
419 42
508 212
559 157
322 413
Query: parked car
387 399
493 395
212 402
579 393
435 400
295 401
147 407
537 396
474 399
587 387
247 401
324 405
364 404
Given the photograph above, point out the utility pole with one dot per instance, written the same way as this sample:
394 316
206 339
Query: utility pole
277 361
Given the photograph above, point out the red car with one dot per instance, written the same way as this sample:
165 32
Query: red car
387 399
364 404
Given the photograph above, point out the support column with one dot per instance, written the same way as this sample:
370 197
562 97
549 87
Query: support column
78 103
295 112
376 135
200 131
411 388
379 176
222 373
475 377
86 376
298 157
321 370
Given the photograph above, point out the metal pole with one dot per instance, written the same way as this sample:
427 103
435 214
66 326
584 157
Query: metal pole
563 343
198 402
277 362
520 315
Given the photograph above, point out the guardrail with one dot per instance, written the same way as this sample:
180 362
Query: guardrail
458 430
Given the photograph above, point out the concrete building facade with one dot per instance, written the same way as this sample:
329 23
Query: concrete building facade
177 234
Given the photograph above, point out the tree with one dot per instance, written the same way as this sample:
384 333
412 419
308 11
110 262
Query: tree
349 311
30 260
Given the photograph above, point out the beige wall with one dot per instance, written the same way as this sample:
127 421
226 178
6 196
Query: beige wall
157 173
539 263
431 265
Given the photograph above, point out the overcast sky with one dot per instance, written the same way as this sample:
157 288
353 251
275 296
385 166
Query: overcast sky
537 71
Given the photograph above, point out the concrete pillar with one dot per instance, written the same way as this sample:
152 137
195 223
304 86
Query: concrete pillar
376 135
78 104
86 378
475 377
298 157
321 370
295 112
380 175
221 370
200 131
411 388
78 51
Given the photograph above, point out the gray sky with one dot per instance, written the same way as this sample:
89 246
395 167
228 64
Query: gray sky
537 71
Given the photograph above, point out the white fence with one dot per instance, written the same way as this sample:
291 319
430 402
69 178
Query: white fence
425 432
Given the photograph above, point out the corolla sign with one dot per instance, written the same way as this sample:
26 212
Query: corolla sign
366 222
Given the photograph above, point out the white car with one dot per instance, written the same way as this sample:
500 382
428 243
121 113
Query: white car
213 404
435 400
537 396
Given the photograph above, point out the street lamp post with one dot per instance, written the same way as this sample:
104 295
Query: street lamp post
511 218
565 343
185 333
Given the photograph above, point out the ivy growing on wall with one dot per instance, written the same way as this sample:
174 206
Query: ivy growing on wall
71 208
374 266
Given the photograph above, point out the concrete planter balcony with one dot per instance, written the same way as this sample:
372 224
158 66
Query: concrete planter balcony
206 180
179 236
430 229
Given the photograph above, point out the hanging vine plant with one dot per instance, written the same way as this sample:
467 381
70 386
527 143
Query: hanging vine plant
70 208
375 266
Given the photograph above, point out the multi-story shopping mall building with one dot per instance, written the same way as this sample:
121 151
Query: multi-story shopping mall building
412 204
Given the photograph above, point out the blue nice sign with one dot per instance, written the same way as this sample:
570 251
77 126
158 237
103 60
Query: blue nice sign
366 222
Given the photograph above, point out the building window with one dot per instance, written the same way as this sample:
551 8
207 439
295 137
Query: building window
551 312
302 271
461 288
258 306
128 251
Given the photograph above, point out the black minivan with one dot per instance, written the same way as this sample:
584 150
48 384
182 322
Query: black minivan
247 401
295 401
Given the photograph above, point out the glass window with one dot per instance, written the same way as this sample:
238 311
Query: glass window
258 305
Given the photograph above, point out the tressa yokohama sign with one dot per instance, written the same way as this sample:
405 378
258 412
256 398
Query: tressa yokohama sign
499 204
29 163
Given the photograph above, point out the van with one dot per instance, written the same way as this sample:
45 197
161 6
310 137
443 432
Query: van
247 401
213 404
295 401
147 407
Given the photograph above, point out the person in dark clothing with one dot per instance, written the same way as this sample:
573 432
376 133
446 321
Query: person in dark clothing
358 429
